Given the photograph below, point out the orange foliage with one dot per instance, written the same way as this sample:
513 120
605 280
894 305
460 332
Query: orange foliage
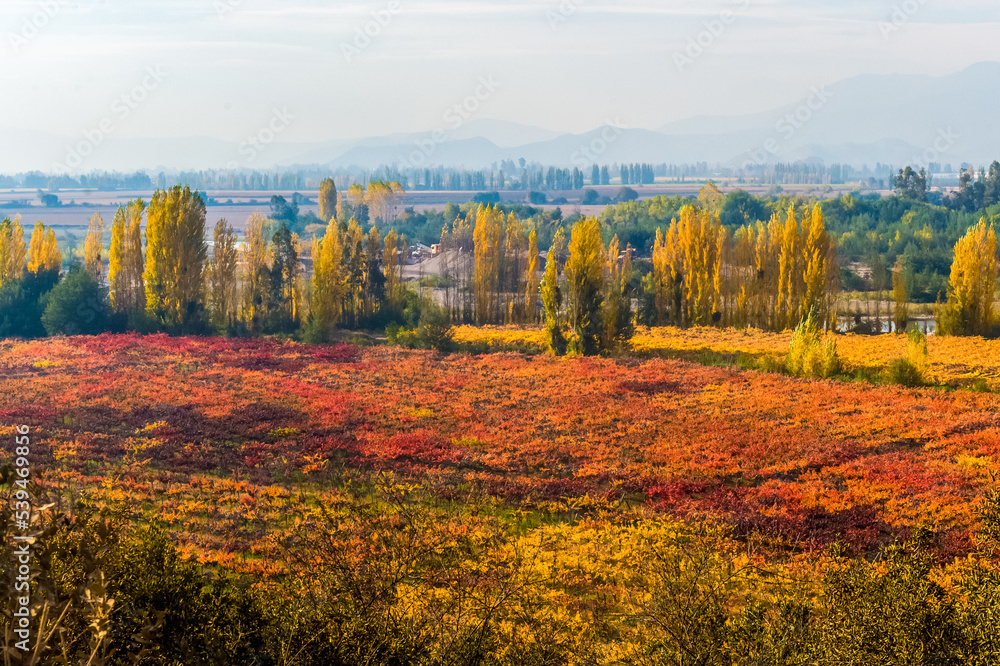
160 420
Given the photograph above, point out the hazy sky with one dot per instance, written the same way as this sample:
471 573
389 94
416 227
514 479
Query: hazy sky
225 65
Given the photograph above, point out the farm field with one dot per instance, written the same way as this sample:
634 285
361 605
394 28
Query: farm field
175 419
573 473
958 361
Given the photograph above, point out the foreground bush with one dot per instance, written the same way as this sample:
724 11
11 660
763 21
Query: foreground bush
809 355
382 577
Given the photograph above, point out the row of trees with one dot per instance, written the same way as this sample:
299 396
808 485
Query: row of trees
490 270
765 275
40 257
257 285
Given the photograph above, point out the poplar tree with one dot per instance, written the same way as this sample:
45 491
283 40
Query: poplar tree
973 284
814 266
355 266
790 268
488 238
116 262
619 324
463 241
327 199
552 297
223 276
13 253
381 198
284 282
93 248
531 281
668 276
125 260
256 270
375 293
584 287
5 250
901 314
352 204
175 256
512 271
392 269
43 252
328 281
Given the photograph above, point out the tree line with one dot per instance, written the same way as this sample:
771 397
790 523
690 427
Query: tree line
586 289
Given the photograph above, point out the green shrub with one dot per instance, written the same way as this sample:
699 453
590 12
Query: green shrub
433 331
901 371
912 370
916 350
899 617
809 355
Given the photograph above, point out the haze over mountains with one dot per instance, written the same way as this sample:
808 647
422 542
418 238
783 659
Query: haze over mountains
895 119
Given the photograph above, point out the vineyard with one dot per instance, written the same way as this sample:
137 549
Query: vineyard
570 472
953 361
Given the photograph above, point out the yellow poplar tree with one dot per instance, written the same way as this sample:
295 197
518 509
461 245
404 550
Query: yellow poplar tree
116 261
328 280
223 276
584 287
93 248
256 263
134 256
531 281
349 204
175 255
13 253
392 269
512 269
618 321
488 237
814 258
5 250
700 236
43 253
973 285
667 279
789 267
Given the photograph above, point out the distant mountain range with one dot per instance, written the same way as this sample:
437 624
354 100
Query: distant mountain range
892 119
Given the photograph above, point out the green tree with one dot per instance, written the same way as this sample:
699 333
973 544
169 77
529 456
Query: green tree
76 306
552 297
22 304
327 199
284 278
619 320
911 184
